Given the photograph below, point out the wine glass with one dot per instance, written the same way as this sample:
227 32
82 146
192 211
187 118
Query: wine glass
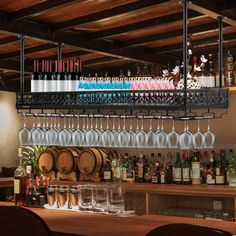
51 135
198 138
209 137
115 133
38 134
124 137
132 135
78 135
185 138
65 135
141 136
161 137
151 135
92 136
173 137
107 136
24 133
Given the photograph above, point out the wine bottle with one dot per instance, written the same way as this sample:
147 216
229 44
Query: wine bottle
61 78
20 182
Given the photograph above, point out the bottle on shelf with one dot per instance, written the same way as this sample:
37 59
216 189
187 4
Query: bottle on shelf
37 193
20 182
176 170
221 169
116 169
36 79
203 167
211 176
30 192
186 167
107 172
196 70
61 78
156 172
140 168
147 169
211 77
125 167
196 178
131 172
229 69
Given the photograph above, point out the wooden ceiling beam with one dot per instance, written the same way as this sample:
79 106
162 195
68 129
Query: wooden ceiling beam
166 35
211 9
196 43
14 66
38 9
141 25
42 31
68 55
8 39
15 54
109 13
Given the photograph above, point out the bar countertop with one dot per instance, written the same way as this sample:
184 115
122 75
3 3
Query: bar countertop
92 224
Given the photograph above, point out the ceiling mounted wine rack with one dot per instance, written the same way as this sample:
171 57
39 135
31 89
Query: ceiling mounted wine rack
178 104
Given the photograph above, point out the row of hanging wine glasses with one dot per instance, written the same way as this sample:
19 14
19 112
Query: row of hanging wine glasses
49 130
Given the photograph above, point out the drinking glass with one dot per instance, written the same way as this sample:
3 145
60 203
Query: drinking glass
85 130
115 134
100 132
92 136
86 197
52 195
132 135
65 135
38 134
107 136
151 135
161 136
209 137
124 137
116 203
141 136
51 135
78 135
74 197
100 198
185 138
24 133
198 138
173 137
32 130
63 192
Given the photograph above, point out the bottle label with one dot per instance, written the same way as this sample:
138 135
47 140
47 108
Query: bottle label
16 186
217 171
176 174
196 170
162 178
186 174
118 172
154 179
220 179
124 174
140 170
28 169
210 180
107 175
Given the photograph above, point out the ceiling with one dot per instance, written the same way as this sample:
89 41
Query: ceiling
107 33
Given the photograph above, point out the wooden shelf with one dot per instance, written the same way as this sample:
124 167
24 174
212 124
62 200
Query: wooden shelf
170 189
6 182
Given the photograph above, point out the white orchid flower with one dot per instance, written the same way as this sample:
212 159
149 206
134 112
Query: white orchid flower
165 73
203 59
175 71
190 52
197 68
189 76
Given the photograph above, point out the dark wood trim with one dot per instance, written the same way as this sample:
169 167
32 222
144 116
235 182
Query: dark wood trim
8 39
107 13
27 51
38 9
141 25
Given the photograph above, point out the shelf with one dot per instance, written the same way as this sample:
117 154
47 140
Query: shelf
169 189
126 99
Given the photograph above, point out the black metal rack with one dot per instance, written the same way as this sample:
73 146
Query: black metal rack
164 100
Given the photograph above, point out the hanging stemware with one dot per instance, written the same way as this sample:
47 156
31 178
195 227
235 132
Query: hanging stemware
173 137
198 138
24 133
209 137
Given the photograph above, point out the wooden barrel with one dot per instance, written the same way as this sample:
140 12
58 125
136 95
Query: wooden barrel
67 160
91 160
46 161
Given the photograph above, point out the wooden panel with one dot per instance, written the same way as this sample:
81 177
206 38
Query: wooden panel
6 182
105 225
83 8
196 36
132 17
11 6
91 56
163 28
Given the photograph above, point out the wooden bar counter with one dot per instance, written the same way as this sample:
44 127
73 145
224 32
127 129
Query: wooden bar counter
105 225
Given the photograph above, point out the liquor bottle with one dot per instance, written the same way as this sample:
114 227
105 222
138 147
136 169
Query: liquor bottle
125 167
131 172
211 169
229 80
135 164
116 169
37 193
211 77
141 168
196 178
107 172
61 78
186 178
176 170
221 168
147 171
156 173
163 172
20 182
30 192
28 169
169 167
203 167
73 79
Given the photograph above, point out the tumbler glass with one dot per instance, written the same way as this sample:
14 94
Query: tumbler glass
52 195
116 203
63 197
86 198
74 196
100 198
